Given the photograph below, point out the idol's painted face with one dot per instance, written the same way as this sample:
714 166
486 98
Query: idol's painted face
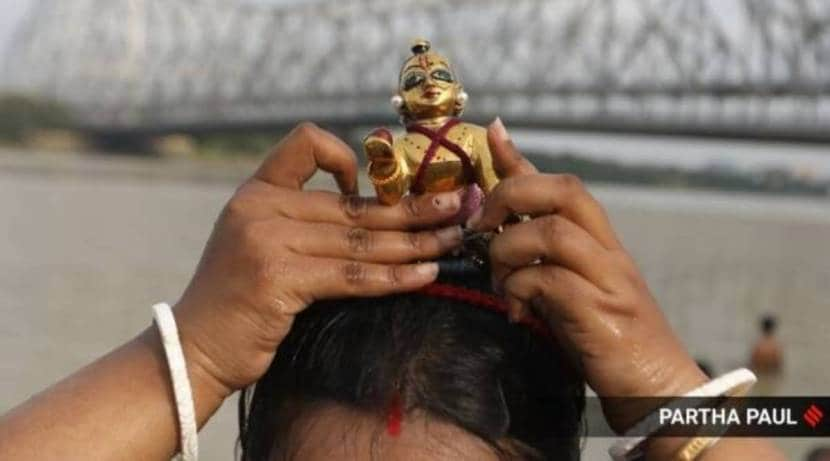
428 86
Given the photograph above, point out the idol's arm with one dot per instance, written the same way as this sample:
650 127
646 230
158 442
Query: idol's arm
485 173
388 169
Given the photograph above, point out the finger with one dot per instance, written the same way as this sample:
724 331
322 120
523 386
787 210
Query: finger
516 310
388 247
412 212
540 194
507 160
553 239
305 150
338 278
555 293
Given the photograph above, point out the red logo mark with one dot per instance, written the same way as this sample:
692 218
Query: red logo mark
813 416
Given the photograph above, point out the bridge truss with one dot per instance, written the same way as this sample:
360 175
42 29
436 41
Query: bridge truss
721 67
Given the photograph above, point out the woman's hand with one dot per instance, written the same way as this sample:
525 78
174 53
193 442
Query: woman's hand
276 248
568 266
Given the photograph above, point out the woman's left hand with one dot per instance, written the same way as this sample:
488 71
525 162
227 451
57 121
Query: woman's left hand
567 265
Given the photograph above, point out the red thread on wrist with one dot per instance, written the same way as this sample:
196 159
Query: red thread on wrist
486 301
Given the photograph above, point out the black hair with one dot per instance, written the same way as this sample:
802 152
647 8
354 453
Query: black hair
461 364
768 324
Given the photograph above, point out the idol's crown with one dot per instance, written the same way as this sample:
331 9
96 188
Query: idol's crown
420 46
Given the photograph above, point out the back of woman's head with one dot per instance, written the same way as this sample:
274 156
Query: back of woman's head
417 354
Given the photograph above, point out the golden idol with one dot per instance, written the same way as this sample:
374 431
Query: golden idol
438 152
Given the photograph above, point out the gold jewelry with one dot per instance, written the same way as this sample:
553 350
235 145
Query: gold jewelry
694 447
394 176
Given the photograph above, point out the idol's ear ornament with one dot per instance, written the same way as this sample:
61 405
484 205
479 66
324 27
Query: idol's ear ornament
461 102
397 103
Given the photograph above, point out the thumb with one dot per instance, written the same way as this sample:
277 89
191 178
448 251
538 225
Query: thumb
507 160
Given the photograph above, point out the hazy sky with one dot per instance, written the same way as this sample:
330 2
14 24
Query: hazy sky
13 11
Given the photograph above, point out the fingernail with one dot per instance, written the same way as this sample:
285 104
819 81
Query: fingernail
429 270
515 316
515 311
447 201
449 237
499 131
475 219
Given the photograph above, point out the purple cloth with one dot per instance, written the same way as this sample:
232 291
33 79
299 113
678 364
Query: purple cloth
472 198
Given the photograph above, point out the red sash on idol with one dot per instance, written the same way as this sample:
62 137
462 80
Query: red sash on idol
439 138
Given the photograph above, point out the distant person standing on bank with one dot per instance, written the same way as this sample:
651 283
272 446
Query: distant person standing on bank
767 359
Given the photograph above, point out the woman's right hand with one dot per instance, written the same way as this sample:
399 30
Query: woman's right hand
277 248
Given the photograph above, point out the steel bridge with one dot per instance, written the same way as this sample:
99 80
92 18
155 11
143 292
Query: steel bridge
733 68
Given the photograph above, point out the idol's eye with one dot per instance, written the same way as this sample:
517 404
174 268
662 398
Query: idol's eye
443 75
412 80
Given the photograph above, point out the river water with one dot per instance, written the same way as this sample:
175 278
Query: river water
88 243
